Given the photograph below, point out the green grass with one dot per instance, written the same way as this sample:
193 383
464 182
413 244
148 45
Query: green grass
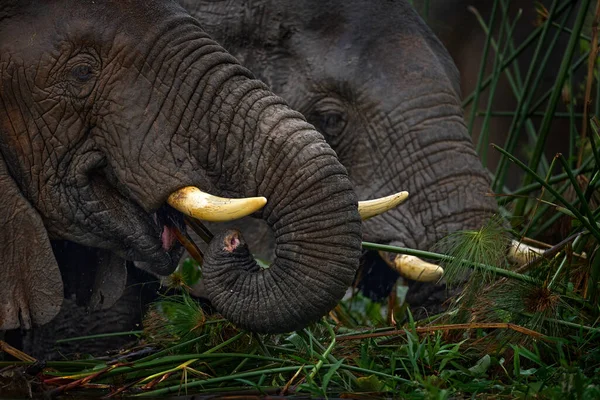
516 331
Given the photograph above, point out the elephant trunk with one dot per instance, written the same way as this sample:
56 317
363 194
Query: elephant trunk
449 192
311 207
456 195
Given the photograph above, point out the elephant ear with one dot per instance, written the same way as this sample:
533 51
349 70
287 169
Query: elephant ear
31 289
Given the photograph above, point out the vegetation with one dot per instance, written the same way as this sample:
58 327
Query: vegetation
517 330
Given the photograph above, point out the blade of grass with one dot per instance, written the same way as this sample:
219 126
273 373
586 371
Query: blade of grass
99 336
205 382
326 353
597 108
524 232
171 349
526 43
590 78
573 134
568 324
595 124
516 71
482 143
553 102
177 359
593 282
531 82
486 48
536 186
567 205
583 203
563 263
512 114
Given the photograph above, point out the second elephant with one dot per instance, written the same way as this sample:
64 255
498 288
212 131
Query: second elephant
373 78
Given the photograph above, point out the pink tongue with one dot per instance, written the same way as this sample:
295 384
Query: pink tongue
167 237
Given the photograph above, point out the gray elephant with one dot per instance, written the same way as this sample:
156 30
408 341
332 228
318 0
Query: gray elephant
373 78
108 109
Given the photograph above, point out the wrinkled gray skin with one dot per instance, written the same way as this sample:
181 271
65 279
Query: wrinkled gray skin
107 107
372 77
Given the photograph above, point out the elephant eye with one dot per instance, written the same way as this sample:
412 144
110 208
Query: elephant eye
331 123
82 72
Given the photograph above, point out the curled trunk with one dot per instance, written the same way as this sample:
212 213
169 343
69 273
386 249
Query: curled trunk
312 210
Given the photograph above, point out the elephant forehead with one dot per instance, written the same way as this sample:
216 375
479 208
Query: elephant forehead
41 23
372 43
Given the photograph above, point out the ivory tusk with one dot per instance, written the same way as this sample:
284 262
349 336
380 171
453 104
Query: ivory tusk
521 253
414 268
195 203
371 208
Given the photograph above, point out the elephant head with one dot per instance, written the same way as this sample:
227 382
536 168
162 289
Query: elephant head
109 107
384 92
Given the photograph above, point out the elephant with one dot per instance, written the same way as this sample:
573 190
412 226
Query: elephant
385 93
108 109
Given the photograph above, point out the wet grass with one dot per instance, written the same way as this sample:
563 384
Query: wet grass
528 329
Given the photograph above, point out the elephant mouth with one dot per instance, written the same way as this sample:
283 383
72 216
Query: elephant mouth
169 223
163 255
380 271
375 278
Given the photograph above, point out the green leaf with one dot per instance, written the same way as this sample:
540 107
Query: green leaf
190 272
330 373
481 367
299 343
369 384
528 372
261 263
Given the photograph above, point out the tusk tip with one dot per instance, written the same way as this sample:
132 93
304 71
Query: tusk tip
521 253
371 208
414 268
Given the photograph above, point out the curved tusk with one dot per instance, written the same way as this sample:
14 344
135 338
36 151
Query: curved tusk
414 268
195 203
521 253
371 208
